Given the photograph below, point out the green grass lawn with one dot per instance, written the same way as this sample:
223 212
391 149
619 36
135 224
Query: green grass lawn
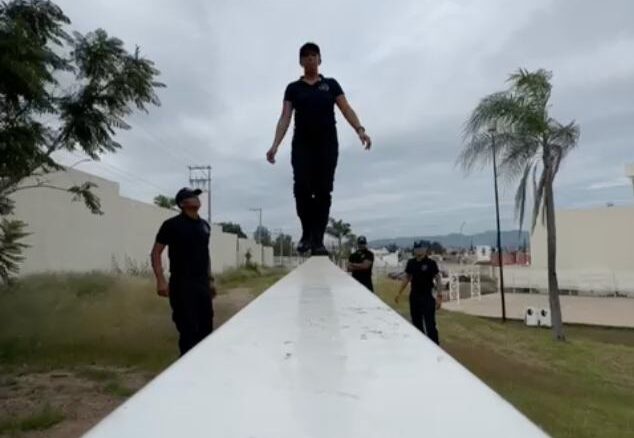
580 388
98 324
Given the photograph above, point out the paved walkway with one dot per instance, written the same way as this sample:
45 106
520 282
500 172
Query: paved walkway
614 312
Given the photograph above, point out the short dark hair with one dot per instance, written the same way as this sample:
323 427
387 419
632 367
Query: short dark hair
309 48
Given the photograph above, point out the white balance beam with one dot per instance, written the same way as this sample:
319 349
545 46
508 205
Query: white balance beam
316 355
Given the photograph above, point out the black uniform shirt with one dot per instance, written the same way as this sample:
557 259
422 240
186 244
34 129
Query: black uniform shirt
314 107
423 273
363 276
188 245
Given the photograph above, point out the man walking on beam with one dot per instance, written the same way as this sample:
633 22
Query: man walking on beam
315 145
424 298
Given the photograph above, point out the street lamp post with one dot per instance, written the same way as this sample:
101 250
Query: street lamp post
493 131
259 233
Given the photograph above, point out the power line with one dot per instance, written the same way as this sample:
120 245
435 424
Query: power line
125 174
167 149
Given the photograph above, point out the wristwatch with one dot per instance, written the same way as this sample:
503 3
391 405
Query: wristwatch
360 128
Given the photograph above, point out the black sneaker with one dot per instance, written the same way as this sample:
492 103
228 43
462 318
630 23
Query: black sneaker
303 246
319 250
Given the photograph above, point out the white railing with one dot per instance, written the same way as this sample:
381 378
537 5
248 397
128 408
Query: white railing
317 355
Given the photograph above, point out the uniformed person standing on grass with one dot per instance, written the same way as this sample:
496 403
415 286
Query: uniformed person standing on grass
191 286
360 263
424 275
315 146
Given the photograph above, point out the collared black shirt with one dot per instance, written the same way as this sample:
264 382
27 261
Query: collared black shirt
423 273
314 108
363 276
187 240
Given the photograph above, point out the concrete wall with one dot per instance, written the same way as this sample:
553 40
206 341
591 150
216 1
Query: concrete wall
595 252
594 239
594 282
65 236
224 247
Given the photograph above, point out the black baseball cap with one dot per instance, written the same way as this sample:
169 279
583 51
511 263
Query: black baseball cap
186 193
362 240
418 244
308 49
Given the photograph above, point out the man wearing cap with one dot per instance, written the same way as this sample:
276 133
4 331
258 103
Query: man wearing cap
315 147
191 286
360 263
424 275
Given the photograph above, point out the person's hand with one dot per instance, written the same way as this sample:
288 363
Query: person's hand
162 288
438 303
212 290
365 140
270 155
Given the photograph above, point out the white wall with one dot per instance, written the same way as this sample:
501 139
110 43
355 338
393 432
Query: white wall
224 247
593 239
595 252
65 236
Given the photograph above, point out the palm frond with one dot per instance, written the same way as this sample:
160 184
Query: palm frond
564 136
517 152
500 108
476 151
534 85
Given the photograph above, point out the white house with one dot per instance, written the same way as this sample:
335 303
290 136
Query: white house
483 253
384 258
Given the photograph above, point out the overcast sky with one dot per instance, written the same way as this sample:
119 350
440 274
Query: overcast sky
413 71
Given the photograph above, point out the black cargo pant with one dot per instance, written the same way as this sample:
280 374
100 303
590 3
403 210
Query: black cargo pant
423 310
192 310
314 162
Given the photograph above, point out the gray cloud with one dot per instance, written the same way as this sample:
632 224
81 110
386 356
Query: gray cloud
412 72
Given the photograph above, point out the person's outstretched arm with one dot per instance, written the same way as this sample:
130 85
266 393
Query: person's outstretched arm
162 287
404 284
353 120
280 131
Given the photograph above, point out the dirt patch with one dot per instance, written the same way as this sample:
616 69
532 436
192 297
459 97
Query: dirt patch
228 304
81 396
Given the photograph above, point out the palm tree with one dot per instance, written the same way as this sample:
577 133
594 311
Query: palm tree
338 229
530 146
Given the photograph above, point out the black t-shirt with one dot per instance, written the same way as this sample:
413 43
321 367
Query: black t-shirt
362 276
423 273
187 240
314 107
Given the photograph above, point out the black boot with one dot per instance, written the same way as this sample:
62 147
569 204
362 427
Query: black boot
303 203
304 245
320 221
319 250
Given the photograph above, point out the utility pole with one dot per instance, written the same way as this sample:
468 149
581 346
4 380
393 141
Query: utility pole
259 233
493 131
200 178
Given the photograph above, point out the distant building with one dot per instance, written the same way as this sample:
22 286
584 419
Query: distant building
384 258
483 254
595 248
